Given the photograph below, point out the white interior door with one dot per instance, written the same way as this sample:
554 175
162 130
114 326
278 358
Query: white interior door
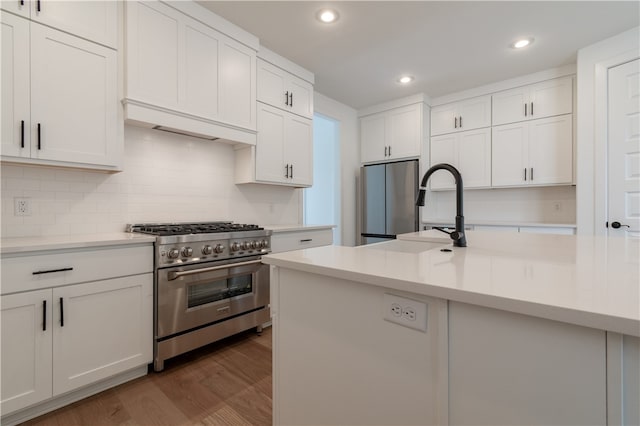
623 180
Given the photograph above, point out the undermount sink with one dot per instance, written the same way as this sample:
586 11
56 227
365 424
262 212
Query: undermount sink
404 246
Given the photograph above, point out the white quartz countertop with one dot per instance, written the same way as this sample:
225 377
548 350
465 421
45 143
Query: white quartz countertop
585 280
29 244
292 228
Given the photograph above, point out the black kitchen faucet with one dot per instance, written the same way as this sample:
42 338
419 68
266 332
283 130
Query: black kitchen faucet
458 237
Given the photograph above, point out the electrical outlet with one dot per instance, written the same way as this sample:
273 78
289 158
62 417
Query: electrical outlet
557 206
408 312
22 206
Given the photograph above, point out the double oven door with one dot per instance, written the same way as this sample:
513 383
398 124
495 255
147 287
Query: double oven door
194 296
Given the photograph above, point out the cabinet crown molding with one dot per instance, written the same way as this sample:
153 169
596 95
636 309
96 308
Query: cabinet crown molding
284 63
397 103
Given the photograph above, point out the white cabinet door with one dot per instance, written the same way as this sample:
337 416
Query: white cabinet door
94 20
549 98
15 86
284 90
405 131
201 56
107 329
540 100
474 158
550 150
73 99
22 8
373 138
443 150
26 349
299 150
152 31
469 152
237 71
469 114
509 154
270 166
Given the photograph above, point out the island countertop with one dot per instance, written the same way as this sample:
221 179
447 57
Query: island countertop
591 281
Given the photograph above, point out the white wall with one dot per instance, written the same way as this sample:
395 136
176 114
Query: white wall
555 204
166 177
350 159
593 62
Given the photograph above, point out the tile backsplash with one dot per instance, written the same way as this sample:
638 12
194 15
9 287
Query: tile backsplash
165 177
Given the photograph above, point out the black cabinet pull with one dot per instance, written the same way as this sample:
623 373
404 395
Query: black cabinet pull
286 98
49 271
525 109
618 225
286 171
38 6
389 150
21 2
291 172
21 133
455 122
531 108
306 240
44 315
385 151
532 173
291 99
461 122
525 173
61 313
39 139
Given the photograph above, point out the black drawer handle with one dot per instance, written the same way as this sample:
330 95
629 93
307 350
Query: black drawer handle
50 271
38 6
39 137
22 134
307 240
44 315
61 313
286 98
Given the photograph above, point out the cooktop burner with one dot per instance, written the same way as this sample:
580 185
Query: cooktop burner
165 229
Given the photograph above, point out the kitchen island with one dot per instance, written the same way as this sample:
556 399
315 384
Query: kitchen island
513 329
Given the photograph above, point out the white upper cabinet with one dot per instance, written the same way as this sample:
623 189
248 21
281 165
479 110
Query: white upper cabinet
392 135
545 99
94 20
469 152
474 113
283 154
537 152
184 74
44 69
284 90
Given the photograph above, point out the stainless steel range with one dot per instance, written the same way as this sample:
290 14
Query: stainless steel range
209 283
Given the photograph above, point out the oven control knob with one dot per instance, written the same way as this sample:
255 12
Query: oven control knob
264 243
207 250
173 254
219 248
254 244
246 245
235 246
187 251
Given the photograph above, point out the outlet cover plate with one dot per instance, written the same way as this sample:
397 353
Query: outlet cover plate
22 206
413 315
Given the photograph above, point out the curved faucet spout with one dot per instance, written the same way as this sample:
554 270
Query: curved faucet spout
458 237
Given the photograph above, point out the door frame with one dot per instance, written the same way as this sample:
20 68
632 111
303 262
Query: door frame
592 132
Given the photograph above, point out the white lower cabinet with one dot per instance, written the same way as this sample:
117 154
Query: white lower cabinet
301 239
507 369
67 336
26 349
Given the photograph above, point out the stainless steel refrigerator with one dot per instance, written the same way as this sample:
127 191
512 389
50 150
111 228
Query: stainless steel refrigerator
388 200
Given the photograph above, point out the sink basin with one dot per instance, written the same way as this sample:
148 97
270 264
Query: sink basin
404 246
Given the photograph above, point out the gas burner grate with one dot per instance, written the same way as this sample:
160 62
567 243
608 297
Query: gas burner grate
195 228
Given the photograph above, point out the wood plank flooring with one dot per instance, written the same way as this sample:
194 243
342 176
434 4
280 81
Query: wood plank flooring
224 383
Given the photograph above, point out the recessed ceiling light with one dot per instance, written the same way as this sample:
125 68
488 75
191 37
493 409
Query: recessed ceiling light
327 16
405 79
523 42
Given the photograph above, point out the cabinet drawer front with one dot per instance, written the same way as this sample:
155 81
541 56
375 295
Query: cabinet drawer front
300 240
56 268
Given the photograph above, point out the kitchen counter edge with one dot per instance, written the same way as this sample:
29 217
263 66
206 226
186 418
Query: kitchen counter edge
34 244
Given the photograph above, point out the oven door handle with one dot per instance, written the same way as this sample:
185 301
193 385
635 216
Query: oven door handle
177 274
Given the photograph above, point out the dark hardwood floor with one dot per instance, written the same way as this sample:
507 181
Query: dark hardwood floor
225 383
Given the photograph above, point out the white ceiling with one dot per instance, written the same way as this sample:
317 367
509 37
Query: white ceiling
448 46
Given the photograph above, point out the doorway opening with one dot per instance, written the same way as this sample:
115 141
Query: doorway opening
322 200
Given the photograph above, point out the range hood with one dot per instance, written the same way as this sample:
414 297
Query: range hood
155 117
